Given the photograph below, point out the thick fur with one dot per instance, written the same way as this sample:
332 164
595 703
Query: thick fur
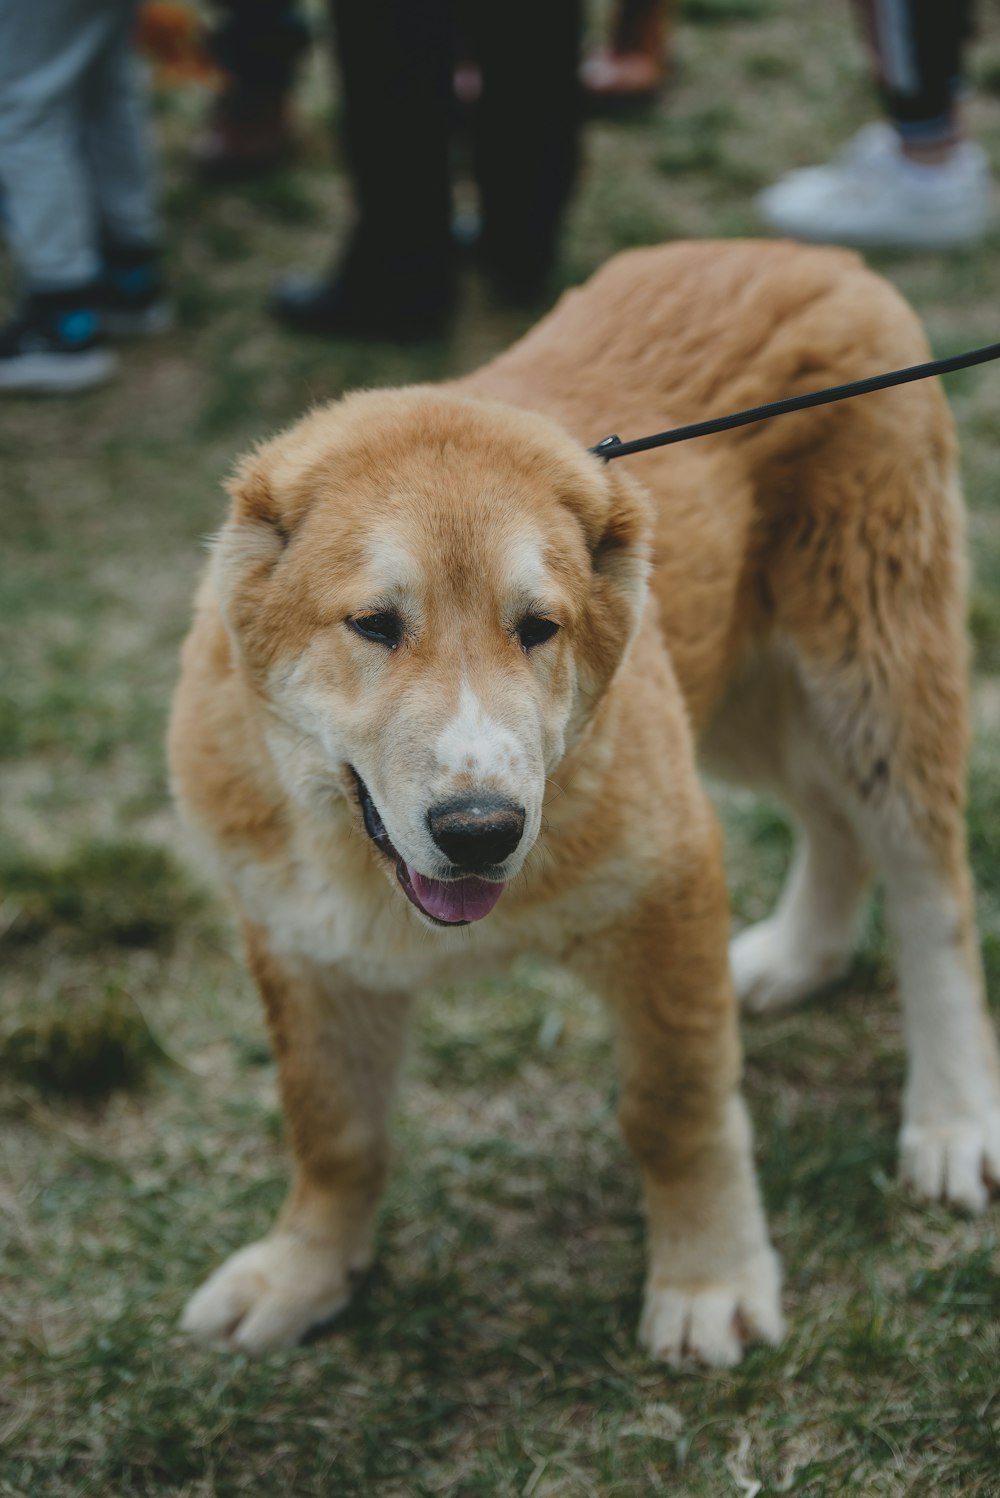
804 624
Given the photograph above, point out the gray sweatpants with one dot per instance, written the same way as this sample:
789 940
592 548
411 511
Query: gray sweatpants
75 157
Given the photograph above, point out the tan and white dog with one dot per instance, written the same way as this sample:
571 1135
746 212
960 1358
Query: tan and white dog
437 710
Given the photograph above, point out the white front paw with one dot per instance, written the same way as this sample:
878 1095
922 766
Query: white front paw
268 1295
711 1321
952 1161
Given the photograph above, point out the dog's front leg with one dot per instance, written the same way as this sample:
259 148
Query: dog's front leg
714 1280
337 1047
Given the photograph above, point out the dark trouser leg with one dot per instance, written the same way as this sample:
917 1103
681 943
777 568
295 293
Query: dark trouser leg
917 48
396 276
526 133
396 59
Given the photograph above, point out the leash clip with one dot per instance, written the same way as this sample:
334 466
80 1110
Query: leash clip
605 448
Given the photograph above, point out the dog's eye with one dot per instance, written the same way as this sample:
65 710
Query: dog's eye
384 629
534 630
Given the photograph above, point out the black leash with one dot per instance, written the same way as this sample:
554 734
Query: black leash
614 447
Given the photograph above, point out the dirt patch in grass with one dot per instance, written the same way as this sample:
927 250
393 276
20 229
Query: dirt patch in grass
81 940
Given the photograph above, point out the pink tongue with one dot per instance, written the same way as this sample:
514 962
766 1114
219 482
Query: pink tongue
455 900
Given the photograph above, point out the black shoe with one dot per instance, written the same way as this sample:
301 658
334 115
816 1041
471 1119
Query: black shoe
405 303
132 292
56 343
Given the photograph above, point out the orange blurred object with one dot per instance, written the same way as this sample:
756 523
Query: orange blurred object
172 38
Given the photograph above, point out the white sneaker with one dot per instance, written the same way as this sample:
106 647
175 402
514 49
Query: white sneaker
871 194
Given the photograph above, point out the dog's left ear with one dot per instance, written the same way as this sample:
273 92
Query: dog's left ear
620 557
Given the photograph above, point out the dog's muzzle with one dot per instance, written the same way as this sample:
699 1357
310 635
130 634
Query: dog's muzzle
475 835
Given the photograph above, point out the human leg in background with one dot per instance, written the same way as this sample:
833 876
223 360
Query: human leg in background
48 53
258 45
526 136
914 181
632 67
122 170
396 277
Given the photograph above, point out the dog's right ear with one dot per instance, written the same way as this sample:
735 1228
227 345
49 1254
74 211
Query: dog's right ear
250 543
254 502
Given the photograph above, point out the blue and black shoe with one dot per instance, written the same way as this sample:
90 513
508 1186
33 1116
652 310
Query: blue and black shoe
132 292
56 343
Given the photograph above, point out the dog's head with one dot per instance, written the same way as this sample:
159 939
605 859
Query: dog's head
430 594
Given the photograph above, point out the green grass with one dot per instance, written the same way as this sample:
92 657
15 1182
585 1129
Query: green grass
491 1351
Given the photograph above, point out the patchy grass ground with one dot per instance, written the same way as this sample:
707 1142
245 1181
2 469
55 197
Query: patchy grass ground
492 1351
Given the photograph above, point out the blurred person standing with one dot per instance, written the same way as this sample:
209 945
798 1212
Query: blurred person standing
911 181
396 276
77 173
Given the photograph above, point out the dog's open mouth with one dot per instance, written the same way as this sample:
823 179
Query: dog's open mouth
447 902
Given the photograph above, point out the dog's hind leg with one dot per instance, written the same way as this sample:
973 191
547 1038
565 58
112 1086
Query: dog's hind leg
762 737
881 666
337 1049
910 812
808 942
950 1138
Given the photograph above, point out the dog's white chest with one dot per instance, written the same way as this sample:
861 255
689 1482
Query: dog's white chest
324 912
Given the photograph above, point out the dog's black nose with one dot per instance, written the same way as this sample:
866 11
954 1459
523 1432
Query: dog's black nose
476 831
